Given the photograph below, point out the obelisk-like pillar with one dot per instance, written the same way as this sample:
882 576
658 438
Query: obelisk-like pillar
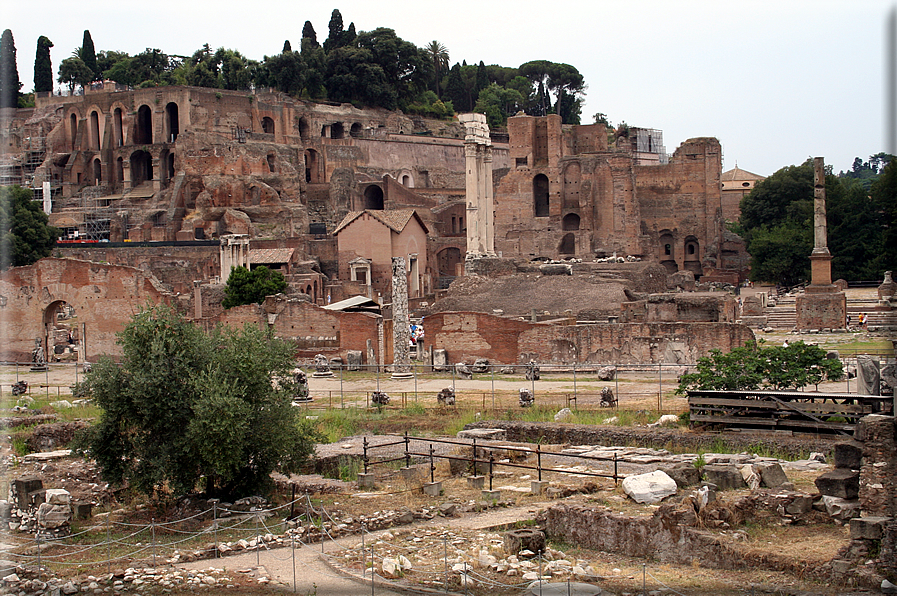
401 325
820 258
472 190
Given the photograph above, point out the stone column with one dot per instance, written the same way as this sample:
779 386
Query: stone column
472 187
197 299
401 332
489 202
821 259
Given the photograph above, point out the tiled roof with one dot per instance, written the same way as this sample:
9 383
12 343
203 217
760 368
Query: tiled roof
737 173
394 219
270 255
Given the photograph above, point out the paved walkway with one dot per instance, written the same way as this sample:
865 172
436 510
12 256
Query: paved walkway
315 578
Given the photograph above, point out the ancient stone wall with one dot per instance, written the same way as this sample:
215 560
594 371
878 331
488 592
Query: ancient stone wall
104 298
468 336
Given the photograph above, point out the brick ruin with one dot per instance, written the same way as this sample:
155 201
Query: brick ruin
161 177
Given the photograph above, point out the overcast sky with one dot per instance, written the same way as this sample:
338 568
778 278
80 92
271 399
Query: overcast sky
776 81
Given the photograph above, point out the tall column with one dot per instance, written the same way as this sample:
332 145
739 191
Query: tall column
401 325
489 203
821 258
472 188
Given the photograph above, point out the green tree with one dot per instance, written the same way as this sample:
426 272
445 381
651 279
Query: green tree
538 72
315 62
335 27
88 55
25 236
884 198
482 79
855 232
107 59
43 68
352 75
750 368
308 32
286 47
185 410
456 91
439 58
73 72
9 72
251 287
565 81
497 103
286 72
400 61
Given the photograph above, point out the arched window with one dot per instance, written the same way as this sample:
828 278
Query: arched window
73 125
119 133
95 131
571 222
144 134
567 245
312 167
540 195
170 166
97 171
171 122
355 130
373 197
268 125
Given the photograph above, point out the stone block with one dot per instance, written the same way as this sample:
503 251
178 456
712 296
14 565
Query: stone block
529 539
771 475
410 473
868 528
492 495
491 434
841 509
82 510
848 454
58 496
799 505
652 487
24 486
840 482
365 480
476 482
449 509
685 475
353 360
432 489
440 360
724 477
537 487
51 517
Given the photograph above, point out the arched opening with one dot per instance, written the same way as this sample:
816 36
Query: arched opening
407 182
119 170
355 130
567 245
373 197
171 122
337 131
144 131
61 337
268 125
447 260
95 131
73 128
163 168
571 222
312 167
271 162
540 195
116 122
667 255
97 171
692 258
141 168
170 165
303 128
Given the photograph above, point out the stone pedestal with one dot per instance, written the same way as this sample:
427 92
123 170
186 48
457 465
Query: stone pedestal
537 487
366 480
821 308
410 474
476 482
433 489
492 495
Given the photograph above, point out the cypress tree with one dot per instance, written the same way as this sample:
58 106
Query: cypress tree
482 78
89 54
308 32
287 47
43 69
334 40
455 90
9 72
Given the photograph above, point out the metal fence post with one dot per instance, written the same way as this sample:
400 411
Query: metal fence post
215 525
365 453
407 449
153 524
539 460
432 467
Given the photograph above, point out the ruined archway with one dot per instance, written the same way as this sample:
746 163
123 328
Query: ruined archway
303 128
373 197
117 126
95 131
667 256
172 126
170 165
73 129
141 167
571 222
337 131
355 130
119 170
97 171
268 125
61 336
447 261
312 167
540 195
567 245
692 256
144 132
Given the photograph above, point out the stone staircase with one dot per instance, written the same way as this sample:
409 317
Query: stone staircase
781 316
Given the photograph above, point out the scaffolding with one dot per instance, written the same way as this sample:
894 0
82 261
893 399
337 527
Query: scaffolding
648 142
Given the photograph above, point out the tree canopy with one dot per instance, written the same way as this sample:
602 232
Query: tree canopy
186 410
43 68
88 55
9 72
25 236
251 287
752 367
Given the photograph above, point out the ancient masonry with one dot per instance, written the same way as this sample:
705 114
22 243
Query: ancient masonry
401 329
822 305
480 207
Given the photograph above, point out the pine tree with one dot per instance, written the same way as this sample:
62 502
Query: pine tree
43 68
88 54
9 72
308 32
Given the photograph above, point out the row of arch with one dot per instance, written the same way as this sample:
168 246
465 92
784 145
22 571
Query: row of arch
334 130
141 134
140 165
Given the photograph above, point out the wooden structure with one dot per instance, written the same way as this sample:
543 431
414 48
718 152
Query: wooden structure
800 411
